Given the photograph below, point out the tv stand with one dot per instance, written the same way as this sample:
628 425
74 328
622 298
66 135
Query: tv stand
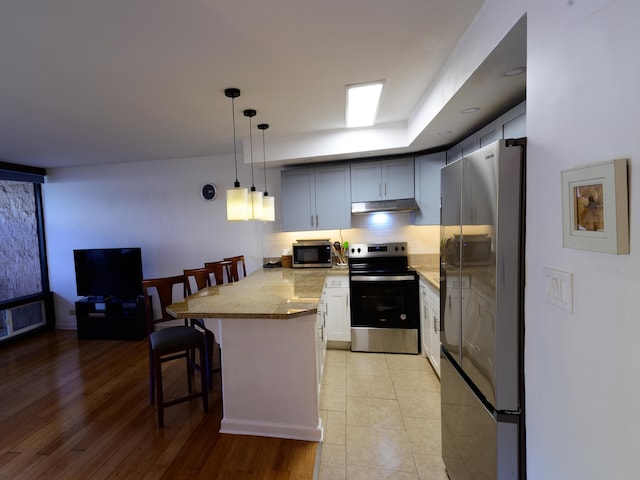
111 318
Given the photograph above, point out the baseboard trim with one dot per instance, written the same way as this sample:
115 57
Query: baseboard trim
269 429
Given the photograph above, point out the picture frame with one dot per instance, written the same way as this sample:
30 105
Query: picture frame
595 207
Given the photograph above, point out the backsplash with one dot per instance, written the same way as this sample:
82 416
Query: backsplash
428 261
371 228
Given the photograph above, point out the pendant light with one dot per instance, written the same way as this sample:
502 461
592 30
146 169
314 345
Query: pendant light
268 203
237 197
255 197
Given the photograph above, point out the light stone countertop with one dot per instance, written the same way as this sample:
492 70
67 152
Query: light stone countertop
276 293
430 274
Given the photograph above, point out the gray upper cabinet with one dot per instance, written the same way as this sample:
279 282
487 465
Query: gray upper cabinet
511 124
514 122
382 180
316 198
427 188
489 133
319 198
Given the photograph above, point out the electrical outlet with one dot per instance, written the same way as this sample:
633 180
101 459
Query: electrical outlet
558 288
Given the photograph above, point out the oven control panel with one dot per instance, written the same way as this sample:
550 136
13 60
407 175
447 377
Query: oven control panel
368 250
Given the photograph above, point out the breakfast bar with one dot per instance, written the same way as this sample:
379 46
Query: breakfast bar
272 342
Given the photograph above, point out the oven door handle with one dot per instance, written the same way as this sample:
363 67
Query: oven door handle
382 278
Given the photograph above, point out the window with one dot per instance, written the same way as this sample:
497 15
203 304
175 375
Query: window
25 300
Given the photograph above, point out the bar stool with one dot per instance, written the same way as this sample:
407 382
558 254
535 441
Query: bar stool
239 259
202 279
171 343
221 268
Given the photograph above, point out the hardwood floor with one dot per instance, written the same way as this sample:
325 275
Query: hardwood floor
79 409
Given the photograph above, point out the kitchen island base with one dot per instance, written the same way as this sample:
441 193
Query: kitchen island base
270 376
271 331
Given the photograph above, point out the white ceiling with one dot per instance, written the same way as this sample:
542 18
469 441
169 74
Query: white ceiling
86 82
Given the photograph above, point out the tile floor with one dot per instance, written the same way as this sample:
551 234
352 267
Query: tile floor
382 418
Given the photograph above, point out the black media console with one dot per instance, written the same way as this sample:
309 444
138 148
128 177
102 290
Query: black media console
111 318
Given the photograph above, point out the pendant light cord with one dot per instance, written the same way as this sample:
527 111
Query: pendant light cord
235 147
253 186
251 113
233 93
263 127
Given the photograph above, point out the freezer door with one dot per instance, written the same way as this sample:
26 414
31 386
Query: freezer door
474 444
450 285
491 206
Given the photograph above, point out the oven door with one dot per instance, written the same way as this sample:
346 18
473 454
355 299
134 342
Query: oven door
385 301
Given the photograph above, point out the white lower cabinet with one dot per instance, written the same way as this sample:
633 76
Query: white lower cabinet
321 339
337 308
430 323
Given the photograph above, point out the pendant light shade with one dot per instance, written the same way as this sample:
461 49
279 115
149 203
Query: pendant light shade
268 208
237 204
255 197
268 203
237 197
255 205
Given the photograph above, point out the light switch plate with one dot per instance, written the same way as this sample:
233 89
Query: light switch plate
558 288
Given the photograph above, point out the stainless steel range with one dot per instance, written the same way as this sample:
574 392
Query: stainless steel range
385 312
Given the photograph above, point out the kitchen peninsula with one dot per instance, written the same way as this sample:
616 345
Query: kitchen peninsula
272 341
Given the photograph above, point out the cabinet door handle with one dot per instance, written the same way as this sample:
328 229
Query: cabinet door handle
317 224
435 324
385 189
312 220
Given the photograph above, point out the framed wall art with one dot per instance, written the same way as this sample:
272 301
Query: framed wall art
595 207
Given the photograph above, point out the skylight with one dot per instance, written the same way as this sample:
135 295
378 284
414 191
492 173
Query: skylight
362 103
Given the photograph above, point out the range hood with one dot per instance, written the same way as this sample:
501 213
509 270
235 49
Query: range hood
400 205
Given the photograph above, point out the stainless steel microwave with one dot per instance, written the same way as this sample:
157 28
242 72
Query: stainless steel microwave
311 253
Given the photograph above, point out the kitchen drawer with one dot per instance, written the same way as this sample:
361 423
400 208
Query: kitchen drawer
336 281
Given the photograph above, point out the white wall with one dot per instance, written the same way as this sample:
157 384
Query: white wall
582 382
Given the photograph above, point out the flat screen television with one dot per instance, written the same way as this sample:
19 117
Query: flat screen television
108 272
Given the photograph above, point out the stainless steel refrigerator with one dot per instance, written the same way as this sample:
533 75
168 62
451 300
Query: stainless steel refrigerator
481 296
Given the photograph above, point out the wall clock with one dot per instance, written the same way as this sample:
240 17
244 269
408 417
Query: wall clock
209 191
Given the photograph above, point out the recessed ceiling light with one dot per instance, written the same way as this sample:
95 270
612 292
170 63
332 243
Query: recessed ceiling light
514 72
470 110
445 132
362 103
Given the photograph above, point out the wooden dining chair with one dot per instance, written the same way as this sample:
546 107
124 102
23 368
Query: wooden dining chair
221 269
168 343
201 278
235 271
